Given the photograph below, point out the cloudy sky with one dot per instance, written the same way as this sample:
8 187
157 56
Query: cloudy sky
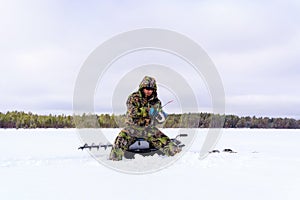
254 45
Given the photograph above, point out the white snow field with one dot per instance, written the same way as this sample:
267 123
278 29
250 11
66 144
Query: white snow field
46 164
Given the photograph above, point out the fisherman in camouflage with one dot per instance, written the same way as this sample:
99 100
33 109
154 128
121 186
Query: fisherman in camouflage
141 106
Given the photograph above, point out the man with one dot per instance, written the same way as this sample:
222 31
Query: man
141 109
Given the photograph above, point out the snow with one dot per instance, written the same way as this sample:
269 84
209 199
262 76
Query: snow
45 164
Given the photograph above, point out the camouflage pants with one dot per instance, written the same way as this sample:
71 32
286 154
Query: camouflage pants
152 134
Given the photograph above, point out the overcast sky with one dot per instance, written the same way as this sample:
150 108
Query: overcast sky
254 45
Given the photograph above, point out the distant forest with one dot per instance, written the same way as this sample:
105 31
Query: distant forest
17 120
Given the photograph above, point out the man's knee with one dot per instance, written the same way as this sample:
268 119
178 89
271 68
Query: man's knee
171 149
122 140
121 144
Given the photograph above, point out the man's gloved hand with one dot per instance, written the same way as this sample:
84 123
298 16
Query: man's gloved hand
158 115
152 112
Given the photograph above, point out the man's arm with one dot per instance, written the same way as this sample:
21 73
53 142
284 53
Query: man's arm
133 107
136 114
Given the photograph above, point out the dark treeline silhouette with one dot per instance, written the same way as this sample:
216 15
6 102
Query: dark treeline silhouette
17 119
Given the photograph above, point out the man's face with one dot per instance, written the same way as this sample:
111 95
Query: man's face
148 91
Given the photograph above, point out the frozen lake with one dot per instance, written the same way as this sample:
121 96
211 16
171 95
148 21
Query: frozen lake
45 164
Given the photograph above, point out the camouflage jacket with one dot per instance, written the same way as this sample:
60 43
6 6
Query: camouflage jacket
138 105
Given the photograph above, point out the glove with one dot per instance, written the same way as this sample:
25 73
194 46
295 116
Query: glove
159 116
152 112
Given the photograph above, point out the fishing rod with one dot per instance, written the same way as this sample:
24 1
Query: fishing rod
167 103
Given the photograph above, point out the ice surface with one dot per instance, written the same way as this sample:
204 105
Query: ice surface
45 164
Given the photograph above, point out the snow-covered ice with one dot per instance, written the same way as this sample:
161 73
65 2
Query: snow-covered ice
45 164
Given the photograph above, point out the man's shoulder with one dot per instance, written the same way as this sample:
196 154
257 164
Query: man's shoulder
135 95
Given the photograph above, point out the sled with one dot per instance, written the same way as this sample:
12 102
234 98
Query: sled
143 147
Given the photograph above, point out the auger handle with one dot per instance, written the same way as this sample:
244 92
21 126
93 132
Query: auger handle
183 135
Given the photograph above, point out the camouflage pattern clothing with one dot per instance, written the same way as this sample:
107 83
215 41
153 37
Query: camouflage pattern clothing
140 124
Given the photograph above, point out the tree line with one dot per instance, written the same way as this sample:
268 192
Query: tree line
17 120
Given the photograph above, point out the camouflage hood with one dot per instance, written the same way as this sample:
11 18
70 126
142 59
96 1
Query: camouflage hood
149 82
